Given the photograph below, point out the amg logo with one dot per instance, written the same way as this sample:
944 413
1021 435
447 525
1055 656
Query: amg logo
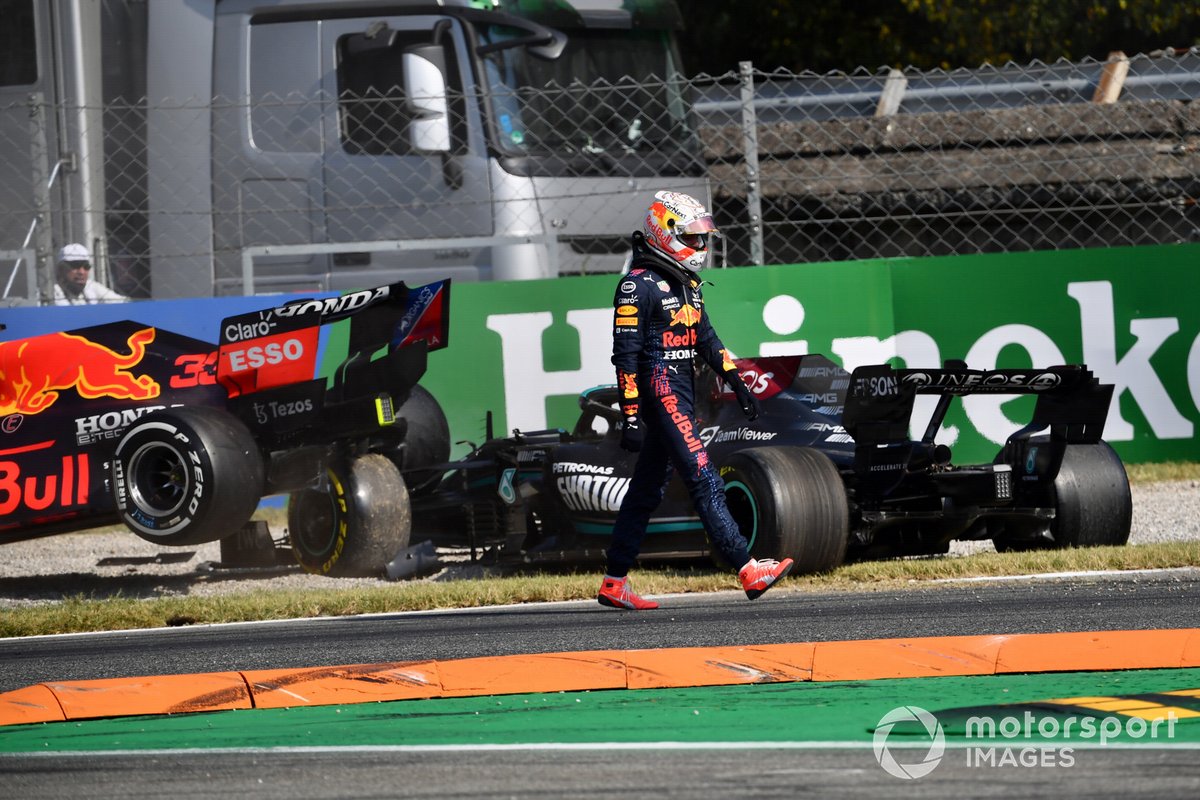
815 397
821 372
592 492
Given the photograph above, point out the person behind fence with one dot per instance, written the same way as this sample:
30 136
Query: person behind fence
659 328
74 285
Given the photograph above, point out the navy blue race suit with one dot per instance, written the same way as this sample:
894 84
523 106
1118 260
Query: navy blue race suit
659 328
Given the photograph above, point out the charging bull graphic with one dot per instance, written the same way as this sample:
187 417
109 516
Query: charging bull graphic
687 315
34 371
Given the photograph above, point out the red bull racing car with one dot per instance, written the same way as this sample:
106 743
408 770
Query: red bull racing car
180 438
829 471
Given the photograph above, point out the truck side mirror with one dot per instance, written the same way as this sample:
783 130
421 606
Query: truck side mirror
425 93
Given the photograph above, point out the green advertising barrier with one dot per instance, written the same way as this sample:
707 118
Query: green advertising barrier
524 350
1131 314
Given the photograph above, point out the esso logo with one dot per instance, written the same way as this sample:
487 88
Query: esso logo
264 355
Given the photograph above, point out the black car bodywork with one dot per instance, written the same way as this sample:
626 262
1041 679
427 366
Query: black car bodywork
828 471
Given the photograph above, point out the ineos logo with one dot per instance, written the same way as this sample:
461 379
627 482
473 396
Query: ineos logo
1046 380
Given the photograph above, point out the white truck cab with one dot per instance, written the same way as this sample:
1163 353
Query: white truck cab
298 145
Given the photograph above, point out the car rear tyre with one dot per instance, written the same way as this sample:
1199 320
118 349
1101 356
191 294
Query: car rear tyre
355 527
187 476
789 502
427 438
1093 506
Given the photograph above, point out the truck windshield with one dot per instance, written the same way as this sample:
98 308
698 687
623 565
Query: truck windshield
613 102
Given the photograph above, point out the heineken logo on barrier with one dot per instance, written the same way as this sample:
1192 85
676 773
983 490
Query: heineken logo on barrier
1151 358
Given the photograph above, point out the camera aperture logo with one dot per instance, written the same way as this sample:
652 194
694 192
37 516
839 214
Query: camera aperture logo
911 764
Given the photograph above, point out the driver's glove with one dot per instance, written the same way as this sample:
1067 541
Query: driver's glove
745 397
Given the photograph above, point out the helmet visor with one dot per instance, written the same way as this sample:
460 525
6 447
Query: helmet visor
695 234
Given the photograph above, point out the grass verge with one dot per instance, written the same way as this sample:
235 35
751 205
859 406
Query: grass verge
1164 471
82 613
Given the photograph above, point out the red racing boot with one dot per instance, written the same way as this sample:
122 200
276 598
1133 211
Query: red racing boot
617 593
758 576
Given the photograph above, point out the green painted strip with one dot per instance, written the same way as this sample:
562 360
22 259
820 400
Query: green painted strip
816 714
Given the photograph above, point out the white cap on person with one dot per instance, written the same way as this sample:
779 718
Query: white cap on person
74 252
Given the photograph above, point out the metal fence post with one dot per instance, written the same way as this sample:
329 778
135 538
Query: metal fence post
39 159
750 149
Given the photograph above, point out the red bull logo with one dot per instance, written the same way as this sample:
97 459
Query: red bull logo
682 422
685 339
34 371
66 487
686 315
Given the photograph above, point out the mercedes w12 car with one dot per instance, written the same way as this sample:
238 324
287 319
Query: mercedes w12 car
828 471
180 438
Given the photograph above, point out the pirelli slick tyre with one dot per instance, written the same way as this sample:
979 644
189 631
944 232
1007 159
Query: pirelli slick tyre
355 527
187 475
789 502
1093 506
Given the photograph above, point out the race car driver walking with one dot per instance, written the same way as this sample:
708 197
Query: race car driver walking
659 328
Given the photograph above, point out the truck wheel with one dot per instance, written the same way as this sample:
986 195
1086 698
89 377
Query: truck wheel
187 476
789 502
1093 506
355 527
427 439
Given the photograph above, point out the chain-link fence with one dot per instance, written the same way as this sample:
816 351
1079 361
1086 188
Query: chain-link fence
1036 157
295 190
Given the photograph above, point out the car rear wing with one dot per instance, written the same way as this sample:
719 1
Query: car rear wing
1071 401
284 370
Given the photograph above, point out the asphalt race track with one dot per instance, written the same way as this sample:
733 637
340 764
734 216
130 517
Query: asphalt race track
555 774
1138 602
1132 602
